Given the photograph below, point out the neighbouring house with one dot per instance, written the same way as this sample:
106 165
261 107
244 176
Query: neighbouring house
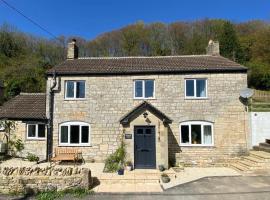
29 113
167 108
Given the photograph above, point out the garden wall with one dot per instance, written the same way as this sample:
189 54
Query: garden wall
32 180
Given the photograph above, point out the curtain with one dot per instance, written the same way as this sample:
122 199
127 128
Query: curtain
201 89
207 134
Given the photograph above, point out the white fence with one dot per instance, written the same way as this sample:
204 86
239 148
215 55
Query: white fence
260 127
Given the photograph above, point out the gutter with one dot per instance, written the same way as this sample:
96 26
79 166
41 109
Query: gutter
50 119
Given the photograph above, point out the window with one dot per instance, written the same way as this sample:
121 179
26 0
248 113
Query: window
75 89
144 89
35 131
196 88
196 133
74 134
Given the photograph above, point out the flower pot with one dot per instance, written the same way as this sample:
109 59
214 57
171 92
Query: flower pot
165 179
161 168
129 168
120 171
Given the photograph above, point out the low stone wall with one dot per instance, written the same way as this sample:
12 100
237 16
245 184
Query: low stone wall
32 180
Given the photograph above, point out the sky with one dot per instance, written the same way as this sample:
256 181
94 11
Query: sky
89 18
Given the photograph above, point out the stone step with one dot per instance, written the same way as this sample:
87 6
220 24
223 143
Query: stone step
260 154
254 160
239 167
248 164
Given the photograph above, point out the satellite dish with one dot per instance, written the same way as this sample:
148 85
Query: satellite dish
246 93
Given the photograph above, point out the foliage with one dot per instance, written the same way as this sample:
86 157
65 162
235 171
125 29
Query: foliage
32 157
9 126
16 145
116 160
53 194
24 58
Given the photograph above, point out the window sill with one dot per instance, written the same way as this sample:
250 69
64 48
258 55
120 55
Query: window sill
75 145
197 145
144 98
75 99
35 139
196 98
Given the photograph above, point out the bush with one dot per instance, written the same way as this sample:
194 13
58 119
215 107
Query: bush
116 160
32 157
53 194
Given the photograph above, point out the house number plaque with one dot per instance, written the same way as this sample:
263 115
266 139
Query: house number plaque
128 136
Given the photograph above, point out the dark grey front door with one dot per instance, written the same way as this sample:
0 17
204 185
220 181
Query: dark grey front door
144 147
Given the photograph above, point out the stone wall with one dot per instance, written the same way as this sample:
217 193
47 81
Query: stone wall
37 147
108 98
27 179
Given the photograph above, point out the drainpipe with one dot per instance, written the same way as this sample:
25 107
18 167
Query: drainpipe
50 120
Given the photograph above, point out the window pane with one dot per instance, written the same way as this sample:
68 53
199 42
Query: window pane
189 88
70 89
149 88
138 89
31 130
85 134
200 88
41 130
207 134
64 134
196 134
74 134
80 90
184 134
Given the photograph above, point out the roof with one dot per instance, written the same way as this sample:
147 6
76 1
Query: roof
25 106
126 119
144 65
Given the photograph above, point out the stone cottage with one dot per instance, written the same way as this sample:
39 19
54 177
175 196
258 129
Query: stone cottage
167 108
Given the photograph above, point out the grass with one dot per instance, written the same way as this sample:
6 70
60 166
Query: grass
53 194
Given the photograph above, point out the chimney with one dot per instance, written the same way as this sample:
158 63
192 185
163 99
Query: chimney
212 48
72 51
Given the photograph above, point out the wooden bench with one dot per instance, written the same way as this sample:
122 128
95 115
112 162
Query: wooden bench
66 154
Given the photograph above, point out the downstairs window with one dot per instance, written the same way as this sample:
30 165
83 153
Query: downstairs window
74 134
36 131
196 133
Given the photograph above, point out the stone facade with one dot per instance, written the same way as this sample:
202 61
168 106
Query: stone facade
28 180
37 147
108 98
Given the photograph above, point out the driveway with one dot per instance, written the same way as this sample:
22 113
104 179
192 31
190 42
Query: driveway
214 188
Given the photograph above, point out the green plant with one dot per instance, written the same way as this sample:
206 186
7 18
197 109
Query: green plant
32 157
17 145
129 163
117 159
53 194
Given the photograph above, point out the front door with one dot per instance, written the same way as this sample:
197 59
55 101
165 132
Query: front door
144 147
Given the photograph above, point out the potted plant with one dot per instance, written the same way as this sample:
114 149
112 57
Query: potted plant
165 178
161 168
120 170
129 166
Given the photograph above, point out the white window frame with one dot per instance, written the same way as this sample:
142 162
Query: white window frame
36 127
195 88
202 123
143 89
76 123
75 90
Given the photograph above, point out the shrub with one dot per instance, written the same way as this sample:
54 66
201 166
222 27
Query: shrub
117 159
32 157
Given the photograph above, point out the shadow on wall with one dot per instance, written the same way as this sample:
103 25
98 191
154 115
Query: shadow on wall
173 146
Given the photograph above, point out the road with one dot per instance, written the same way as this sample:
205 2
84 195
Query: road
214 188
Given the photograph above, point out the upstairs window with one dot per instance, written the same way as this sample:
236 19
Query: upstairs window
195 88
74 134
196 133
36 131
75 90
144 89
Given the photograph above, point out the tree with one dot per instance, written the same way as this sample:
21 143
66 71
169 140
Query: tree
8 126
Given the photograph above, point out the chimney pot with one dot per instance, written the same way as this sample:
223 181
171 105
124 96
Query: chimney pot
213 48
73 50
